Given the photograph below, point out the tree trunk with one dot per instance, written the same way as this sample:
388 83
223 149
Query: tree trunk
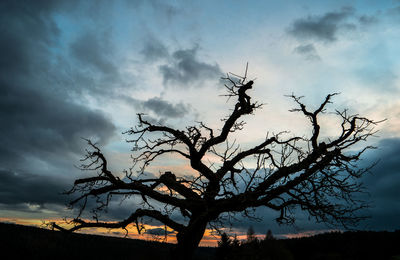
189 239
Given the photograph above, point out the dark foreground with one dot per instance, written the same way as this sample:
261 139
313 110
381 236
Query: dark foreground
23 242
348 245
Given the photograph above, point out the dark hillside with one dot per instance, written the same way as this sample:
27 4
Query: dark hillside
347 245
360 245
24 242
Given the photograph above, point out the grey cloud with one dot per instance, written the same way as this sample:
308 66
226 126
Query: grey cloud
39 120
326 28
165 108
154 50
185 68
34 193
395 11
367 20
166 9
265 219
157 231
155 120
94 51
160 108
308 51
23 188
384 185
322 28
162 9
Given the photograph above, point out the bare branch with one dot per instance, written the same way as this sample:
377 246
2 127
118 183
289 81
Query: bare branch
282 172
80 224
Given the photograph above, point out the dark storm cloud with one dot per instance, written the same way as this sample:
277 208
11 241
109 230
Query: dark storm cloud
322 28
18 188
308 51
185 68
40 124
34 193
384 185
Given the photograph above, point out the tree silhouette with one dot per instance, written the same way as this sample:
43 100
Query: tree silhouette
281 172
224 247
251 235
269 235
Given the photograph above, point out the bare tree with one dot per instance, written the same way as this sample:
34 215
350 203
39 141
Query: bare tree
318 176
251 235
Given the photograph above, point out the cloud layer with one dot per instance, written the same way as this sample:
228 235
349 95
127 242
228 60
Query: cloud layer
327 28
72 69
41 125
186 69
324 27
21 188
39 119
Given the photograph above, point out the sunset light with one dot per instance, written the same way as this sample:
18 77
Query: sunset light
186 121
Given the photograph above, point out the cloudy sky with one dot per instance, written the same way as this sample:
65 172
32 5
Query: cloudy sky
83 69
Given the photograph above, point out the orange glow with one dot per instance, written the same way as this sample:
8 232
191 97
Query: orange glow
179 170
308 233
208 239
25 222
209 158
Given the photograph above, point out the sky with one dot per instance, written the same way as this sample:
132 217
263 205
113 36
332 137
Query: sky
84 69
